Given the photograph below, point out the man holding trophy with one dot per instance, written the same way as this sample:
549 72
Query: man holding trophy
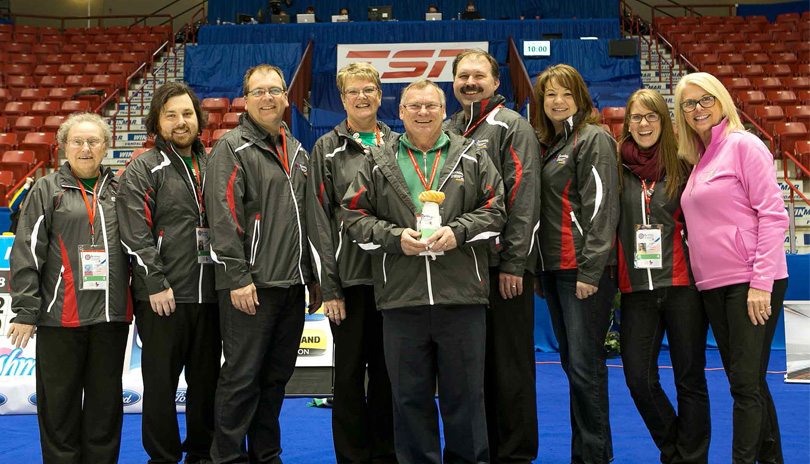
426 207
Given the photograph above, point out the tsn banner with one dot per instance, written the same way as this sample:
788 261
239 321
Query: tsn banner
406 62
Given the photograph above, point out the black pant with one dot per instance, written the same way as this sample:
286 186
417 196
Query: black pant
745 349
72 361
510 375
580 327
188 337
683 437
362 428
260 352
424 342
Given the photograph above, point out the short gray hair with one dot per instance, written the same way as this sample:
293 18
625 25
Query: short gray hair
421 84
77 118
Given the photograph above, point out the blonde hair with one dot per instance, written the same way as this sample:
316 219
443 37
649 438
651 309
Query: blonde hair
360 70
569 78
688 139
675 169
421 84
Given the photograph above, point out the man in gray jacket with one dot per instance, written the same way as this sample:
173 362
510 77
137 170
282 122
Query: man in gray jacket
254 198
431 289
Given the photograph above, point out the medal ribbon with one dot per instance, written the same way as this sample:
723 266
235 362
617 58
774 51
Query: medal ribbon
419 170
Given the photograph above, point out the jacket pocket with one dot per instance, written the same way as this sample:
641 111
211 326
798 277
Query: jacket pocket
254 241
739 244
159 241
576 223
56 289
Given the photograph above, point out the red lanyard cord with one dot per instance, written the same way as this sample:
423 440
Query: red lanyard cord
91 213
419 170
647 196
283 153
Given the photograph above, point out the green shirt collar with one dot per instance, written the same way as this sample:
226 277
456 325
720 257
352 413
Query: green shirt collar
440 143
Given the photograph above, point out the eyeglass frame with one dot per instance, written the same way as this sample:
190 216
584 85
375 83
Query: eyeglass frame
371 92
430 106
644 116
273 91
695 103
91 143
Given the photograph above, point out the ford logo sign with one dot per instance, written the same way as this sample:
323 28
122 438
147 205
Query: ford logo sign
180 397
33 399
131 397
3 399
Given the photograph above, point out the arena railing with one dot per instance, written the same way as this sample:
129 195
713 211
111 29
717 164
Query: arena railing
521 81
300 84
652 41
99 18
690 8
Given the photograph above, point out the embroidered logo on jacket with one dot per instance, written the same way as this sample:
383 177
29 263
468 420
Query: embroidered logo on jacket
457 175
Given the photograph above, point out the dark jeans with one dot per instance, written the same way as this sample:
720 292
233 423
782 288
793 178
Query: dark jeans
72 361
683 437
509 378
189 337
362 427
421 344
745 349
260 352
580 327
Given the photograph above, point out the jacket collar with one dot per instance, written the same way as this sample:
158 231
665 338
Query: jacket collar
68 180
477 109
718 135
256 135
168 147
342 130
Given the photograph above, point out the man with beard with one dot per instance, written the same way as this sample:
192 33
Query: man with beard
254 197
512 145
162 220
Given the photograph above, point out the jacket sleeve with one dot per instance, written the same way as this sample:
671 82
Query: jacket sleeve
765 197
598 186
520 158
360 219
224 205
29 254
486 221
135 205
321 211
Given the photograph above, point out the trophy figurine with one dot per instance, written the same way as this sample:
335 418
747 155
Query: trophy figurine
430 219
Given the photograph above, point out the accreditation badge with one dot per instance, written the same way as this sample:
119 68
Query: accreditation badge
95 267
647 253
204 245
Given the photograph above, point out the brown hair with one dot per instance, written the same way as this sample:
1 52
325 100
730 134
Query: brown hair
675 168
265 68
493 63
569 78
162 95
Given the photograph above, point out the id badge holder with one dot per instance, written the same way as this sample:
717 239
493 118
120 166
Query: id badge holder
204 245
647 252
95 267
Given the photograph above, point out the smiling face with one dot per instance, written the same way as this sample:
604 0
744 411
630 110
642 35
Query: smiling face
84 161
423 124
364 105
558 104
267 110
645 133
178 121
701 120
474 81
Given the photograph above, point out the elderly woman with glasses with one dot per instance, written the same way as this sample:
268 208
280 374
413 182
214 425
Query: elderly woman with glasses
737 221
70 287
362 421
658 292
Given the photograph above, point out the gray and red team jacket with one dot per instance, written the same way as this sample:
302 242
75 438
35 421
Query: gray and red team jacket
46 274
378 206
335 160
664 211
580 201
159 210
512 145
257 209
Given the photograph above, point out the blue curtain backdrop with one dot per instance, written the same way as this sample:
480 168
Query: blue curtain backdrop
226 10
772 10
217 71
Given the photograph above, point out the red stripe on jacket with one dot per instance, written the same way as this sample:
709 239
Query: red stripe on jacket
148 212
70 310
568 255
518 175
356 199
231 202
320 195
491 196
624 277
680 271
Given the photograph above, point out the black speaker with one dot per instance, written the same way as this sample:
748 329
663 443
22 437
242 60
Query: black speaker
623 48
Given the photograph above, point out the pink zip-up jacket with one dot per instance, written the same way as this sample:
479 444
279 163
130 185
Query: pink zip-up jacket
735 214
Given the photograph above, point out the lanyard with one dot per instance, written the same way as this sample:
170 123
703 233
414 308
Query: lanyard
481 119
419 170
90 215
198 185
376 133
284 148
647 196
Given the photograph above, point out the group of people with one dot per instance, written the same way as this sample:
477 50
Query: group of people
423 249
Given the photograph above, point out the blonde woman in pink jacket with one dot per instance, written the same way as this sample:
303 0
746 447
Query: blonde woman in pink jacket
736 220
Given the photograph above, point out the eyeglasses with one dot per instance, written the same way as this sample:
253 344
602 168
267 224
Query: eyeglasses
258 93
418 106
79 143
706 102
650 117
367 91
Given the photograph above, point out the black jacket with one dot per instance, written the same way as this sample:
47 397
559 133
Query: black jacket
338 261
45 272
378 207
512 145
580 201
159 213
257 209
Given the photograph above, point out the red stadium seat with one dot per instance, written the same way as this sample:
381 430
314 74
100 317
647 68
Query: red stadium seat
218 134
25 38
6 183
773 47
42 49
767 83
120 69
130 57
108 82
616 130
737 84
36 94
28 124
98 47
71 31
23 58
75 106
52 123
17 69
3 124
56 59
214 120
154 39
750 99
751 28
137 30
5 37
116 30
41 143
757 58
45 108
80 39
803 69
72 49
788 133
69 69
705 59
4 96
721 70
784 58
750 70
231 120
692 49
732 58
8 141
95 68
78 80
150 142
735 37
127 38
18 162
61 93
109 58
142 47
7 28
16 109
216 105
788 17
18 47
777 70
25 29
205 137
164 30
769 115
798 113
45 70
796 83
804 97
52 39
238 105
723 48
612 115
801 150
83 58
752 47
783 98
96 30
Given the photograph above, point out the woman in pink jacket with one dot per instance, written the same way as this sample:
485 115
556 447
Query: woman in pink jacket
736 219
